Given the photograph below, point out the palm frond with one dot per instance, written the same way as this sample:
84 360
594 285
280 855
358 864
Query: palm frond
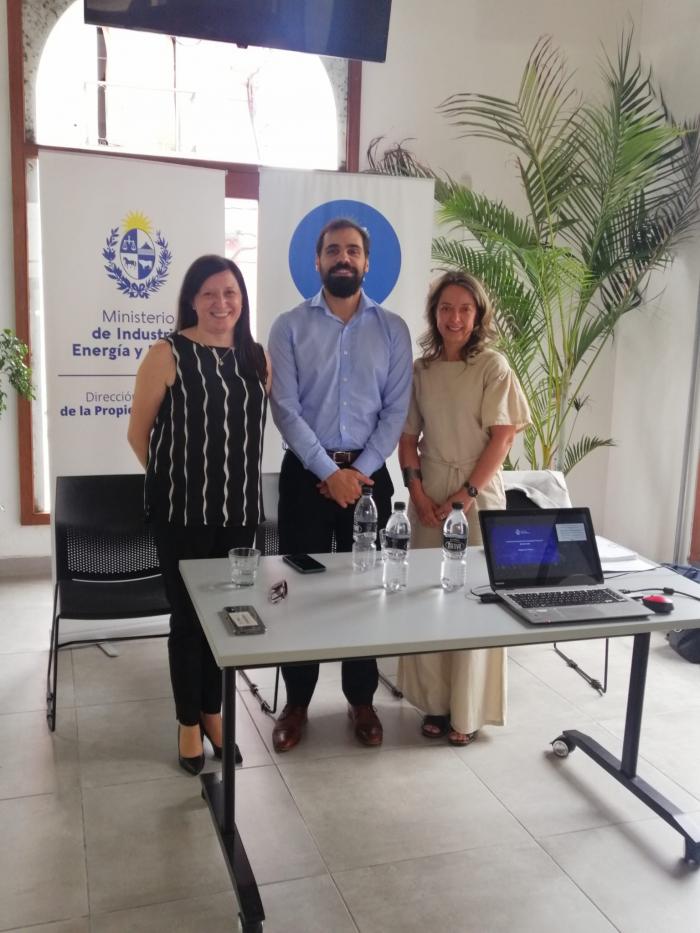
574 453
592 334
490 222
397 160
539 125
678 196
628 145
530 122
530 441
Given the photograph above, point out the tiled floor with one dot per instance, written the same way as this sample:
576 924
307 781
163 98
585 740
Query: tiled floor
102 832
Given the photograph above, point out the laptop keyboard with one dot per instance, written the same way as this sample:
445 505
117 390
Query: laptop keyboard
585 597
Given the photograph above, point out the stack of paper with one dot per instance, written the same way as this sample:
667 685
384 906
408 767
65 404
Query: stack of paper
610 551
616 558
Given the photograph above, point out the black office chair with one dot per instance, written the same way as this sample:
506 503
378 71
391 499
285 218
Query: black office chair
106 562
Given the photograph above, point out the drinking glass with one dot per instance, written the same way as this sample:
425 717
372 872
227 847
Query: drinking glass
243 562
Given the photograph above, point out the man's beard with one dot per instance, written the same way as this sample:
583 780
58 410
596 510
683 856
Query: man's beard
342 286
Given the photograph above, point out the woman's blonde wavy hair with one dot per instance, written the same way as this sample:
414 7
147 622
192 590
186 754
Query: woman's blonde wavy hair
484 330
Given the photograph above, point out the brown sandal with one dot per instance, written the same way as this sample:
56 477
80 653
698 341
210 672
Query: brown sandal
435 727
460 739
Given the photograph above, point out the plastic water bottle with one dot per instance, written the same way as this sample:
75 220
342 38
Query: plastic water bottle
397 536
455 537
364 530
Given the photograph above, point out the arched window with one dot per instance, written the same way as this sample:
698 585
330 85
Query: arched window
160 95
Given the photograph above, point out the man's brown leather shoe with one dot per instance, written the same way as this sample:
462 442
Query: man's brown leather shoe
368 728
288 728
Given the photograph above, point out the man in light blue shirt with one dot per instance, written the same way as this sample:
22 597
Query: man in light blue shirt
341 385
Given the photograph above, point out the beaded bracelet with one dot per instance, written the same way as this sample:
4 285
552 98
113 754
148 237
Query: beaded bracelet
410 473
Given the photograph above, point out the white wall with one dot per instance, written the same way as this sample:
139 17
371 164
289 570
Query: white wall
649 412
640 388
654 347
15 541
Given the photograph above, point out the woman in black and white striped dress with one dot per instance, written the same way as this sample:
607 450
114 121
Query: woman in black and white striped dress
197 423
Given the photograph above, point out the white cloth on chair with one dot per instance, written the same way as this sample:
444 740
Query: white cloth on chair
546 488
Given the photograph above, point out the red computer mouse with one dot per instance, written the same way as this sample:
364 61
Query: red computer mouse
658 603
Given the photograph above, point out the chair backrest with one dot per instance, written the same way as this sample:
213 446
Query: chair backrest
266 536
270 483
517 499
99 528
545 489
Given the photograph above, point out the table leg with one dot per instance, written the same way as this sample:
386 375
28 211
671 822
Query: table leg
219 791
625 770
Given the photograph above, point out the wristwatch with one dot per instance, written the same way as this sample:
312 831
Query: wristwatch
472 490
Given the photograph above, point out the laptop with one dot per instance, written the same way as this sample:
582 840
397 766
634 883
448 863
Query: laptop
544 564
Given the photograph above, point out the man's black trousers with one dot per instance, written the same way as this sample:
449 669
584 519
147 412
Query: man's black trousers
307 524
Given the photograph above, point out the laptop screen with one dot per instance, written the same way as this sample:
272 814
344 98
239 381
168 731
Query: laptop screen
541 547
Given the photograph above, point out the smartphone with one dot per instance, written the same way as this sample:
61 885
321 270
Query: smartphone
303 563
244 620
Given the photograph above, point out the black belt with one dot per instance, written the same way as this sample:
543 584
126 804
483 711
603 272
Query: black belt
343 457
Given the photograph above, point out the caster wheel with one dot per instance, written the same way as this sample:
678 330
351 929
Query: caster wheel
561 747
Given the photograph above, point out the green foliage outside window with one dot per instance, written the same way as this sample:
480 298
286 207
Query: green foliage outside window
14 368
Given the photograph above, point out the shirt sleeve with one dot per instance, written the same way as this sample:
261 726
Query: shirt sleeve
285 405
414 418
504 401
395 399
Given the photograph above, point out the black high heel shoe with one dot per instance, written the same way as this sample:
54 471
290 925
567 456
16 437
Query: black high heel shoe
191 765
237 757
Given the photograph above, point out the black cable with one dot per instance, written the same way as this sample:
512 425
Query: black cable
485 594
614 574
666 590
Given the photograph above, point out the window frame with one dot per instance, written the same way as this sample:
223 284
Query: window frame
242 181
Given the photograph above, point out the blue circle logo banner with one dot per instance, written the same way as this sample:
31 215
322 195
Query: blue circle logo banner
385 249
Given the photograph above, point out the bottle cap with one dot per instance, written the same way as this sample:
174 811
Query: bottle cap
366 490
399 506
458 506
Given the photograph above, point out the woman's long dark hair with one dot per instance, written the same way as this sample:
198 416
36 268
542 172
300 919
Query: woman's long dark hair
251 355
484 330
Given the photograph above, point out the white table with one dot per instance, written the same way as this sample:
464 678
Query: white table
339 614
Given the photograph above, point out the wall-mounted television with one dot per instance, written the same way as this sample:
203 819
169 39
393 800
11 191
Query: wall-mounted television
340 28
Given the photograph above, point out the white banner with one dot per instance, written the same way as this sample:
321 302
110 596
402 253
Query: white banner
294 206
117 238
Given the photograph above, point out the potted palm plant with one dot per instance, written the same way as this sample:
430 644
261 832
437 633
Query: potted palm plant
611 188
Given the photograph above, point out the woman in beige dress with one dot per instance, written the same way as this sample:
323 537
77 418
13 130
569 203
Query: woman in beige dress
466 408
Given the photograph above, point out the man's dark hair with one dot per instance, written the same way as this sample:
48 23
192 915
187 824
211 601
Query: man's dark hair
343 223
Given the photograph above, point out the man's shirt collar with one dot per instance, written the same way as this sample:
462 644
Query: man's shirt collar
319 301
